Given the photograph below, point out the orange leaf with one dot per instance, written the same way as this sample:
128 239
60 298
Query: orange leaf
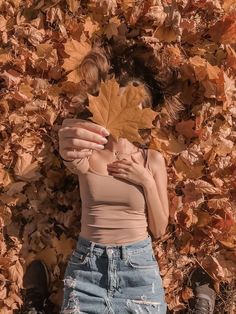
73 5
76 51
231 57
25 169
224 31
120 114
185 127
112 28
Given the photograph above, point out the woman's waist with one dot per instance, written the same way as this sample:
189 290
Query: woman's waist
112 207
114 218
113 237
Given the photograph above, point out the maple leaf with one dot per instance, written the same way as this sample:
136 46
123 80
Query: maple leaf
120 114
112 28
63 245
25 168
76 51
90 26
211 77
126 4
4 56
224 31
103 7
231 57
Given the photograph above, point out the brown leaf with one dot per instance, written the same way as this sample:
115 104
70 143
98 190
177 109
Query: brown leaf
211 77
4 56
120 114
76 51
229 5
231 57
112 28
91 26
16 273
184 170
213 268
168 143
24 93
5 178
25 169
224 31
206 187
187 294
186 128
47 255
73 5
63 246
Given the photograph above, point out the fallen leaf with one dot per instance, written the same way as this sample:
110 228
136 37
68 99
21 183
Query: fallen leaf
76 51
120 114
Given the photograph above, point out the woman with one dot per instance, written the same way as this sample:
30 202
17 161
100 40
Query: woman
123 189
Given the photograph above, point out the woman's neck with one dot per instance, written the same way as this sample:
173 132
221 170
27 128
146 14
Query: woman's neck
122 145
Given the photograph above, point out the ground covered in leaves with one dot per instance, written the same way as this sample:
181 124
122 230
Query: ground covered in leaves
42 43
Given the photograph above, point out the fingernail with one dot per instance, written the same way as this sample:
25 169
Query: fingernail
103 141
105 132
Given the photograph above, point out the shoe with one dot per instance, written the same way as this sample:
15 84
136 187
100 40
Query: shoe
35 283
204 300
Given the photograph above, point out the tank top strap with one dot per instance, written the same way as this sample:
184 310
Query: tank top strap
145 152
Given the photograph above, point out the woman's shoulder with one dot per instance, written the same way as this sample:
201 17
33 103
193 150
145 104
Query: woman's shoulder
155 159
155 154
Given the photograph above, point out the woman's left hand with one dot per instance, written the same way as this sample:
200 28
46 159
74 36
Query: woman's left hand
129 170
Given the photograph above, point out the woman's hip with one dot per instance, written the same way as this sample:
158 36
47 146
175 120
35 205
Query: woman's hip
130 265
126 274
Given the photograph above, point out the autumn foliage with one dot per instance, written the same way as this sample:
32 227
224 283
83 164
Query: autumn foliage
191 49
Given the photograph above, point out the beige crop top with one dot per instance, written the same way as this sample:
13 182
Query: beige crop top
113 209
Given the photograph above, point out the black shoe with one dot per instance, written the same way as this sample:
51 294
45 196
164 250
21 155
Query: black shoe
204 299
35 283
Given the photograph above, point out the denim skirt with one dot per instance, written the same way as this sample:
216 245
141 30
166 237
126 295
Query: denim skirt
102 279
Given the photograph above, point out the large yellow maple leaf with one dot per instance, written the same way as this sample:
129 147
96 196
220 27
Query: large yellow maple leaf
120 112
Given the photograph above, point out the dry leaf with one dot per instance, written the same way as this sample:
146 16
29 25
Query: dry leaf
76 51
120 114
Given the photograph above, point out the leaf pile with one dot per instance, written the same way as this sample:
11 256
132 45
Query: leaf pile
42 44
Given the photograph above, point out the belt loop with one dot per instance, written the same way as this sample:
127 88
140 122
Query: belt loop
92 244
123 252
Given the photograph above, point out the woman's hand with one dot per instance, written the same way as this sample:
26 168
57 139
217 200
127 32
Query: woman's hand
77 137
130 170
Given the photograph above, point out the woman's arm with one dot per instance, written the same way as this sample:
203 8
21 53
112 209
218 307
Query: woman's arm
155 190
77 166
76 138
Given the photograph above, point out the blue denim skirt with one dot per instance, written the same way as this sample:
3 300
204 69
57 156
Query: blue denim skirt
112 279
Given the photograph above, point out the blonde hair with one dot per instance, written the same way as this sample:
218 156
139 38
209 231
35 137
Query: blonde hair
93 69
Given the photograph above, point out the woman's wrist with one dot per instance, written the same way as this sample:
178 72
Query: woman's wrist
147 182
